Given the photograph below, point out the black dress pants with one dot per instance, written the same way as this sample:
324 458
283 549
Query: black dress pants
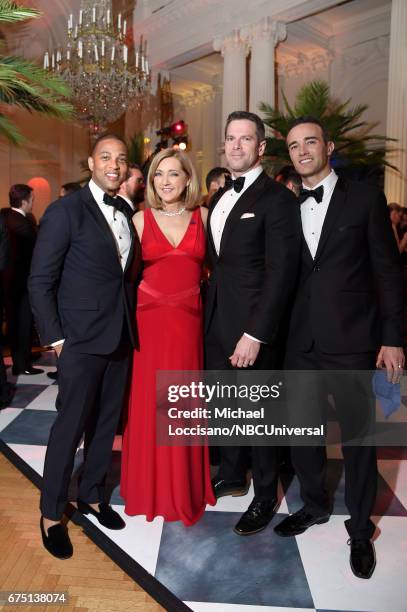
234 460
19 323
310 462
91 390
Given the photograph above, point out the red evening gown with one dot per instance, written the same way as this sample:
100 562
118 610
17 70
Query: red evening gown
169 481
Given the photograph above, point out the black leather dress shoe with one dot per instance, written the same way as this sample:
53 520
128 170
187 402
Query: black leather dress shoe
362 557
106 516
53 375
256 518
27 372
56 540
299 522
222 487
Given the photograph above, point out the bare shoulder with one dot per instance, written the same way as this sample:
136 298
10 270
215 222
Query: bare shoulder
138 222
204 215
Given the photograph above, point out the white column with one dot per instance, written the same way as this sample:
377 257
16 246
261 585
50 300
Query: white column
395 183
234 50
264 37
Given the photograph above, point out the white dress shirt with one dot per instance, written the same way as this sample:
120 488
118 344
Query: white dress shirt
117 223
19 210
313 212
223 208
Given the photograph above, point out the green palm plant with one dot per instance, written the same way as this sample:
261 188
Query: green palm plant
24 84
356 148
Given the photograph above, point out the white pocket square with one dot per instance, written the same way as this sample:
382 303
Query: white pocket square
247 216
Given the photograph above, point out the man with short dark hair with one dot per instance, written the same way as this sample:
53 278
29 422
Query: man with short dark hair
215 179
69 188
22 234
132 189
253 246
346 316
82 290
288 176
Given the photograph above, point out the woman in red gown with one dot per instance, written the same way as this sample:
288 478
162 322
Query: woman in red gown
169 481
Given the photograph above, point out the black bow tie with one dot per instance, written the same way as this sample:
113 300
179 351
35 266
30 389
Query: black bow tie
317 194
237 184
119 204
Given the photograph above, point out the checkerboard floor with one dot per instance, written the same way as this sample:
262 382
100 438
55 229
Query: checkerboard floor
211 569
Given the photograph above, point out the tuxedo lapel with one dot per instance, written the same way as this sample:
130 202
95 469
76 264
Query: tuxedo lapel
132 245
97 215
335 207
244 204
214 200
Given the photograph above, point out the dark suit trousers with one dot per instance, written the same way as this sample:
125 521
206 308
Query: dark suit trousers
91 389
19 322
234 460
360 462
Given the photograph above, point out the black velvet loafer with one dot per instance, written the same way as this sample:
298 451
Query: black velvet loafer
56 540
106 516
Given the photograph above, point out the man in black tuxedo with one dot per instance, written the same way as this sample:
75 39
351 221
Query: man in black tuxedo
22 233
254 239
82 290
6 390
346 316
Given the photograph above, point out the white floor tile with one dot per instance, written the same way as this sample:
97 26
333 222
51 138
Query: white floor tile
140 539
325 557
33 455
395 474
7 415
38 379
240 504
45 400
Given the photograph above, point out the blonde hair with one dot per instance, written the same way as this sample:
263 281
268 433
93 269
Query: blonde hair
191 194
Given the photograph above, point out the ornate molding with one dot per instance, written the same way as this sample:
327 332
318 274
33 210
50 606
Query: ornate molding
267 29
196 97
313 62
235 41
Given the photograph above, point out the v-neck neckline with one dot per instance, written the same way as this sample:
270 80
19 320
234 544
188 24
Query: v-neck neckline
166 237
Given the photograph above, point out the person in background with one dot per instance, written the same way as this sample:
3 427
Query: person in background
215 179
22 233
396 216
132 189
6 389
290 178
69 188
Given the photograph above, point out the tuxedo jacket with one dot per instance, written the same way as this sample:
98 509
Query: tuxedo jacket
22 234
252 278
349 297
78 290
4 246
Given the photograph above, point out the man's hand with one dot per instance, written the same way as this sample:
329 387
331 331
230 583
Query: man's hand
58 349
392 358
245 353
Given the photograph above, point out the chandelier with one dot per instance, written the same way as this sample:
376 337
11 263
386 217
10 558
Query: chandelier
106 73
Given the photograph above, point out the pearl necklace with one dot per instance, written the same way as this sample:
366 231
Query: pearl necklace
172 213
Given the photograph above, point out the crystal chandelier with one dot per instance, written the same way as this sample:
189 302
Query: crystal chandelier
106 73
